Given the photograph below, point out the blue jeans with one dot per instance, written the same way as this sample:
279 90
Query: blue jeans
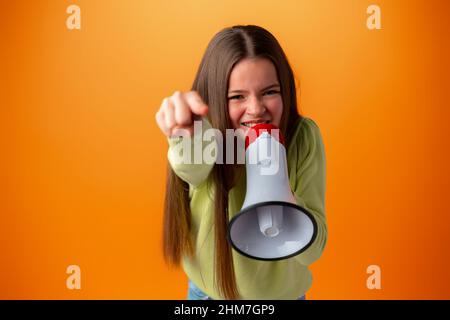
194 293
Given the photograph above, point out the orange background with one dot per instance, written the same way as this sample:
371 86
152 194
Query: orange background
83 163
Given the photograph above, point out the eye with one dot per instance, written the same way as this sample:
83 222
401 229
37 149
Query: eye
236 97
271 92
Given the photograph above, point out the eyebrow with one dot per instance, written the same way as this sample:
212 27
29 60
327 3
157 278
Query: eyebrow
263 89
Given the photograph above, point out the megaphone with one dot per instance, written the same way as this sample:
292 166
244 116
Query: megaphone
271 225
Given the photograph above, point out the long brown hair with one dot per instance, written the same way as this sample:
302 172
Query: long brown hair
227 48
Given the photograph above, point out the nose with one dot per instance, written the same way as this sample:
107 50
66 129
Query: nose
255 107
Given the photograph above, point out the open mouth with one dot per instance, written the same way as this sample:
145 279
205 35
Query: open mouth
250 124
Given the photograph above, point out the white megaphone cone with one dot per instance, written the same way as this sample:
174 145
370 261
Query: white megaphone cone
270 225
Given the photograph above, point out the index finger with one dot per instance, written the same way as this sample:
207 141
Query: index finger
196 103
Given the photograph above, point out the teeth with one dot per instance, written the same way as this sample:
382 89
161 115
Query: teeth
252 123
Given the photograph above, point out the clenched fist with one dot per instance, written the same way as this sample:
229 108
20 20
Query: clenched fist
179 112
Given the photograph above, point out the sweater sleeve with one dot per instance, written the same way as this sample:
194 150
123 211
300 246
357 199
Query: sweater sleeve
192 158
310 185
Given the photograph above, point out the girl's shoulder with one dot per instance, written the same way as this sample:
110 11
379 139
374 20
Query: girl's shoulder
306 134
306 145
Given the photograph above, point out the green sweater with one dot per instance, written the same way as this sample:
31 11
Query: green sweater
282 279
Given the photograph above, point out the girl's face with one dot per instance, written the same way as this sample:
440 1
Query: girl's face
254 94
